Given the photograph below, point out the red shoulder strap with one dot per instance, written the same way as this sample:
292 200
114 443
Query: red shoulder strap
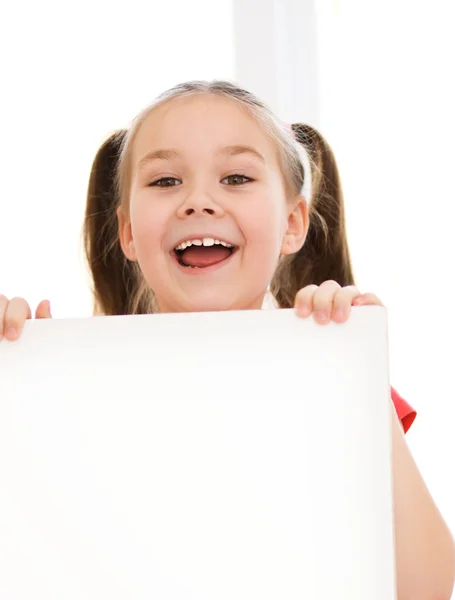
405 412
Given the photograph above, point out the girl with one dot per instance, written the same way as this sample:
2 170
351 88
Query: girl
206 203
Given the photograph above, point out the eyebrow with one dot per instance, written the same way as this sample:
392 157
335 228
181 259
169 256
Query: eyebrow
170 153
157 155
238 150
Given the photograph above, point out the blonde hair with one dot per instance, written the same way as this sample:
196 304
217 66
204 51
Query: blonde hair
306 162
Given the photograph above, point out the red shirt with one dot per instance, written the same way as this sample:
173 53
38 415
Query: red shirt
405 413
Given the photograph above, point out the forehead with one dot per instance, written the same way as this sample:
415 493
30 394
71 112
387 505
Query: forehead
201 124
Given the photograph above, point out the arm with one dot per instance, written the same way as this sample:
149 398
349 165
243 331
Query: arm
425 550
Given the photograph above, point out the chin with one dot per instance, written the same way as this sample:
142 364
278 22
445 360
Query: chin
210 305
209 300
223 303
213 302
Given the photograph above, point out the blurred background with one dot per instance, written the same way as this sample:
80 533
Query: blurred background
376 79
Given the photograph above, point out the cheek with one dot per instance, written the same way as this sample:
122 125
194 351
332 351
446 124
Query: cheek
266 225
148 226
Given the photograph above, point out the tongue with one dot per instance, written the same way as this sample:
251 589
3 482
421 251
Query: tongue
204 256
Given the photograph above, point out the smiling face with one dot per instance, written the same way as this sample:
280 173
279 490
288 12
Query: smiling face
208 215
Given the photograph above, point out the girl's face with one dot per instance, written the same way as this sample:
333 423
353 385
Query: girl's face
208 217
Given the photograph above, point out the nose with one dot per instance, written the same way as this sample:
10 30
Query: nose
199 203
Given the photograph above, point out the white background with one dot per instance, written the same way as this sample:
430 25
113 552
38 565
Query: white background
377 80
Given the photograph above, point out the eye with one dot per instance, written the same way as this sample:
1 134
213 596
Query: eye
165 182
236 179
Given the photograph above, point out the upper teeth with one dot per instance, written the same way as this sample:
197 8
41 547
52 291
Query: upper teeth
202 242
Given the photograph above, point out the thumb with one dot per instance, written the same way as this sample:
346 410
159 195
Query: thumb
43 310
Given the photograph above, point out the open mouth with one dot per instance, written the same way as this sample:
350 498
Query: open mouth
203 252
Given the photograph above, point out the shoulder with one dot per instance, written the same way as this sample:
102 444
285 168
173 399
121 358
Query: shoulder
405 412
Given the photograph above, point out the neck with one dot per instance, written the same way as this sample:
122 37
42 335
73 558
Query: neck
264 300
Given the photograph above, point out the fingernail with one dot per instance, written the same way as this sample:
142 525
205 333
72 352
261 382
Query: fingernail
11 333
303 310
320 315
339 313
48 306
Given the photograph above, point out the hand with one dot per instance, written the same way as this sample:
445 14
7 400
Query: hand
330 301
14 313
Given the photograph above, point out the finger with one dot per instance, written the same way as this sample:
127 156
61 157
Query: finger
342 303
367 300
43 310
3 305
323 301
16 314
304 300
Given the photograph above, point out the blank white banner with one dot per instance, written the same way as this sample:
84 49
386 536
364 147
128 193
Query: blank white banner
223 455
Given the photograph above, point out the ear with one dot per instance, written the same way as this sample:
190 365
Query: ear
297 228
126 235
